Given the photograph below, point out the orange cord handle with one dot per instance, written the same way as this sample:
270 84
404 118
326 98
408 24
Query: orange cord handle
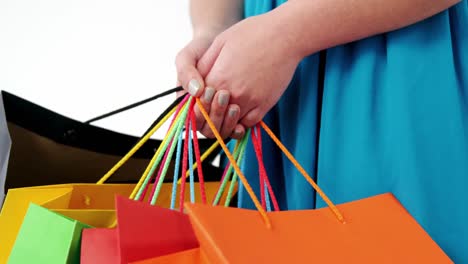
298 166
234 164
288 154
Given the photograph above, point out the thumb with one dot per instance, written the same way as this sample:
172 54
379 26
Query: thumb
187 74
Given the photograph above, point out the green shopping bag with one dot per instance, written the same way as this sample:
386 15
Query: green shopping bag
47 237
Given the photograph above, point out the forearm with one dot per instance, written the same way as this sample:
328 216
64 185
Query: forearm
211 17
316 25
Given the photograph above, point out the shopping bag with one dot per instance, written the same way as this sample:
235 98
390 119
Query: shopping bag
5 145
143 231
100 245
147 231
91 204
47 237
373 230
50 148
191 256
377 230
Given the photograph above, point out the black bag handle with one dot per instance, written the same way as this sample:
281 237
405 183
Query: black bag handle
158 119
166 111
128 107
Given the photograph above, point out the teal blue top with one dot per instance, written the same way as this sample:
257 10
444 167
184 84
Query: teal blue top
384 114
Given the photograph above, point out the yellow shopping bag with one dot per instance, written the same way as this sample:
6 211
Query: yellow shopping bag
92 204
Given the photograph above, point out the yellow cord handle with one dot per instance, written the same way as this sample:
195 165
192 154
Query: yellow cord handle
153 160
135 148
132 151
303 172
234 164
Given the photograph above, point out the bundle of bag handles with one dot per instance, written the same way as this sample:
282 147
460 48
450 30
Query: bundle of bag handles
183 116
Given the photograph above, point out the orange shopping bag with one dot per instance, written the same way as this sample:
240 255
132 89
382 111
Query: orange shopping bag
373 230
377 230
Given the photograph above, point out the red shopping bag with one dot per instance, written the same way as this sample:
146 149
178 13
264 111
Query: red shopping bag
100 245
148 231
143 231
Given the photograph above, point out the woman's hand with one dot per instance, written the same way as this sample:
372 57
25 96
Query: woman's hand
254 62
225 116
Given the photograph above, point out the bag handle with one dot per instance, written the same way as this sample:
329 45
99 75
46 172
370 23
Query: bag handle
190 125
197 155
264 181
239 156
184 117
135 148
248 188
178 125
175 129
169 151
303 172
131 106
146 136
168 144
140 189
227 172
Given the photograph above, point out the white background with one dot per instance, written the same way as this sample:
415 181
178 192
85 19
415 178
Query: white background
85 58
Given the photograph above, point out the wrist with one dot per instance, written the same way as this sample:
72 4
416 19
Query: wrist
212 28
206 32
291 24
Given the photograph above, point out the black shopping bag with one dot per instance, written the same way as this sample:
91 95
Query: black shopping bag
49 148
5 144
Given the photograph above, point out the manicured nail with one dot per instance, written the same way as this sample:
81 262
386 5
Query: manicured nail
237 133
209 92
223 98
193 87
232 112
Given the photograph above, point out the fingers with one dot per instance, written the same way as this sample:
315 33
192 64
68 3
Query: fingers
227 124
230 120
187 73
217 112
206 99
252 118
239 132
191 70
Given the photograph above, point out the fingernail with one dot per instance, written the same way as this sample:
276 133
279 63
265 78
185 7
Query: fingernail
193 87
223 98
232 112
237 132
209 92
